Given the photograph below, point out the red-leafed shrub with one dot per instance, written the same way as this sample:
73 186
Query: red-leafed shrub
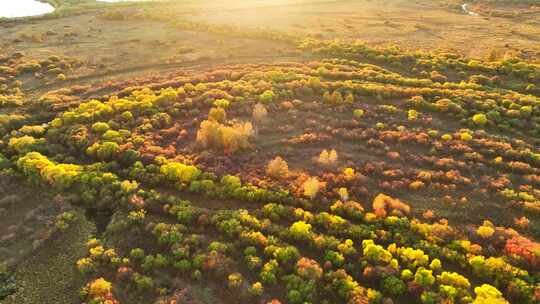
524 248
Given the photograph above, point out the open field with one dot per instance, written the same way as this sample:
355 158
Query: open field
284 151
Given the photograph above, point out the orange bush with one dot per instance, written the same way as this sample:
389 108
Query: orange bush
384 203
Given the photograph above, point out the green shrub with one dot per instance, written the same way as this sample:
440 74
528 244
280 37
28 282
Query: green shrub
393 286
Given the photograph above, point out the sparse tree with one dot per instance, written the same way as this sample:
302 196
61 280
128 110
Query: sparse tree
260 114
277 168
328 158
311 187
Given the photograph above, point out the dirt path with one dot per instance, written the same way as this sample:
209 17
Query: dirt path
149 68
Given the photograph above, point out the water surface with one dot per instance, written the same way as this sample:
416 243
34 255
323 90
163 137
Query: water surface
24 8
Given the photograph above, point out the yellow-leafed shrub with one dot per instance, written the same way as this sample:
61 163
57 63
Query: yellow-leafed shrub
99 288
485 231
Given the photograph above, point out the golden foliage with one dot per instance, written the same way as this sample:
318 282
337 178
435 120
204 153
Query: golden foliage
277 168
311 187
383 202
99 288
328 158
217 114
213 134
486 230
